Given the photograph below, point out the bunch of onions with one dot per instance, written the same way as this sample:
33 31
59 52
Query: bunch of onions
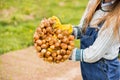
53 44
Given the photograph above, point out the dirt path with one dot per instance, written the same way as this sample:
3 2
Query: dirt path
25 65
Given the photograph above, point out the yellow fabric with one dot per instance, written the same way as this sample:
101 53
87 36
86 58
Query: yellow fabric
61 26
67 27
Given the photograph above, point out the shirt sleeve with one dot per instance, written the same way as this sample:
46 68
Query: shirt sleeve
96 51
99 47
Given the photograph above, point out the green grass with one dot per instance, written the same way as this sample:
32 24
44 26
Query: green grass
13 38
19 19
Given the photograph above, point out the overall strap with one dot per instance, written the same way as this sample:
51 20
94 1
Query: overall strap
100 25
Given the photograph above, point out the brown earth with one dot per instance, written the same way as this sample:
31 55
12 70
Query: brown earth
25 65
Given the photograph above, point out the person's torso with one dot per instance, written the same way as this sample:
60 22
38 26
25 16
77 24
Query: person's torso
92 33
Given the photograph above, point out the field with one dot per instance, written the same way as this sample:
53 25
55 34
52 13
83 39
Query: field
19 19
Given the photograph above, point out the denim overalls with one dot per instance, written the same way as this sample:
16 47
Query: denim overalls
102 69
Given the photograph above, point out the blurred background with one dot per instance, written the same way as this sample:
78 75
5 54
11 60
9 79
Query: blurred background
19 19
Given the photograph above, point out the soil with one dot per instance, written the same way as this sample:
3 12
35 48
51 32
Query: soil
26 65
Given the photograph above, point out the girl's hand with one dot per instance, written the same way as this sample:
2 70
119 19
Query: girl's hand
76 32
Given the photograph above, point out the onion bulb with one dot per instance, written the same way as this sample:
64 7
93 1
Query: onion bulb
54 54
43 30
57 44
36 37
60 36
50 59
71 37
41 34
47 54
52 47
65 57
51 42
48 39
54 40
62 60
51 21
49 29
43 46
38 29
70 47
66 33
65 40
57 61
44 37
64 46
38 48
43 41
47 44
68 52
39 42
42 25
59 57
43 51
45 22
63 51
72 43
58 31
58 52
41 55
35 45
59 41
